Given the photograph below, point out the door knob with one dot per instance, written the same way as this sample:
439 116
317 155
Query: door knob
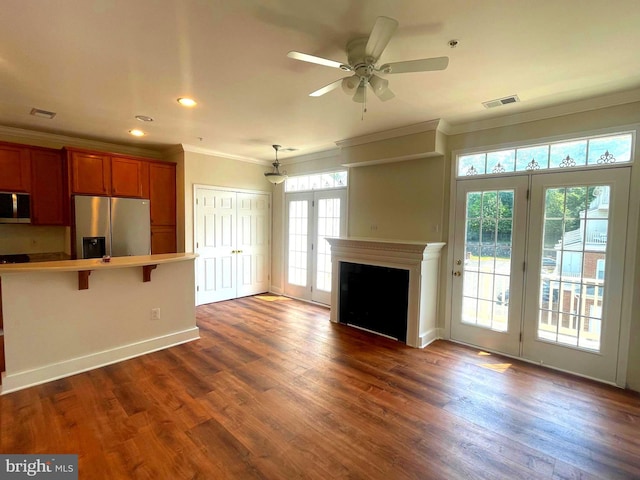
457 273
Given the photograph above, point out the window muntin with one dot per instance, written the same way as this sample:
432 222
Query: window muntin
317 181
583 152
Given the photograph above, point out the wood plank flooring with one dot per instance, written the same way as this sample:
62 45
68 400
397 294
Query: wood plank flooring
273 390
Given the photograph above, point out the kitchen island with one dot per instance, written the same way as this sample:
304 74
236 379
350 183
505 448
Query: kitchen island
60 318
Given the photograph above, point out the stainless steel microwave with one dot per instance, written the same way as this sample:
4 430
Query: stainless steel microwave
15 208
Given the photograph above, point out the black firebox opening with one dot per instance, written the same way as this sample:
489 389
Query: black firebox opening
375 298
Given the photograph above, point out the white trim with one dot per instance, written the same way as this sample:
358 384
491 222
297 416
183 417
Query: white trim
66 368
330 153
20 135
215 153
630 268
428 126
428 337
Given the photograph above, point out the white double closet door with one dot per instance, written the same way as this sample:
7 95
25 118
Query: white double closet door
232 232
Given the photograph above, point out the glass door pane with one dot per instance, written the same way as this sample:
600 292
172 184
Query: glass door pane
330 209
571 286
487 265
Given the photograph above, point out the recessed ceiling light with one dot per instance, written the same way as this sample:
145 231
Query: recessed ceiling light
36 112
187 102
137 133
144 118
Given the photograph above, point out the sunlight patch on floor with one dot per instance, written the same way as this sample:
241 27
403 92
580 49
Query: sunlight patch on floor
496 367
273 298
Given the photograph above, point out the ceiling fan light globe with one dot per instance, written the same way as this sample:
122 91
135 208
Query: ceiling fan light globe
378 84
350 84
360 94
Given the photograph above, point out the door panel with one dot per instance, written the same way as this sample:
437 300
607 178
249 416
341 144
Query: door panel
576 260
488 257
252 244
298 215
215 245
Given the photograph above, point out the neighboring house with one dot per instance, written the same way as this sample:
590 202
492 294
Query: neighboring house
576 284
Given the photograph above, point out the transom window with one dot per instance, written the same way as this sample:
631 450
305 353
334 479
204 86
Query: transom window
582 152
317 181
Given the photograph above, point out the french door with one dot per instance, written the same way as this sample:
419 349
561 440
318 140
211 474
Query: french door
310 217
575 266
488 262
542 278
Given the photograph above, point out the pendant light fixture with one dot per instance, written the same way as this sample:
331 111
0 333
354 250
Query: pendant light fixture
276 177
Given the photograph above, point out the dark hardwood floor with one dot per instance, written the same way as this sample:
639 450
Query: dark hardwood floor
273 390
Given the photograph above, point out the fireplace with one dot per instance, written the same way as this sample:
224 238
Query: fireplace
387 287
374 298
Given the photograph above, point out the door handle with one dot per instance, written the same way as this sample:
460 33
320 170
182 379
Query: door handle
457 273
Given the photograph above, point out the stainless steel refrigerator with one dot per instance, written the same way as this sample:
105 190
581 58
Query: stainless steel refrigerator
111 226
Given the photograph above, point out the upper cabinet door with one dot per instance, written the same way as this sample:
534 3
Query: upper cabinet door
162 189
49 201
14 169
129 177
90 173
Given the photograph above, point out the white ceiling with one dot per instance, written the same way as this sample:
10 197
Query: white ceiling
98 63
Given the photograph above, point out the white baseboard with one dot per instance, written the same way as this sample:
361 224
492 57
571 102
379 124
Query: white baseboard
276 290
429 337
54 371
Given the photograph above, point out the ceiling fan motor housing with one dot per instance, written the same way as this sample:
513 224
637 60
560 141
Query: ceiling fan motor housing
361 64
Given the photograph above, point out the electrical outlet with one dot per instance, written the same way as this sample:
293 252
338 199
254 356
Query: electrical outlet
155 314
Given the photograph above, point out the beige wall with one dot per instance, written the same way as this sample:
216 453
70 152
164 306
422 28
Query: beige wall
401 200
53 330
32 239
201 169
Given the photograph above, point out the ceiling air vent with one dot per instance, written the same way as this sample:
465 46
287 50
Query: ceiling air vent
501 101
36 112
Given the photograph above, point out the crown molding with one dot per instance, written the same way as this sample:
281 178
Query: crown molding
332 152
54 140
579 106
393 133
206 151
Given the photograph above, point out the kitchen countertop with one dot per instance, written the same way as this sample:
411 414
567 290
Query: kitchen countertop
95 263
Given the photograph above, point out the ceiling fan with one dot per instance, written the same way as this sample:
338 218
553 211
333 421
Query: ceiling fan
362 58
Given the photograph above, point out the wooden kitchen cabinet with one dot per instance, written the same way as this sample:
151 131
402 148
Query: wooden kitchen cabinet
90 173
129 177
163 239
15 171
162 193
49 199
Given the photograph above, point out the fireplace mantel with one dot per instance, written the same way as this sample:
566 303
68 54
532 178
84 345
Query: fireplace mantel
422 259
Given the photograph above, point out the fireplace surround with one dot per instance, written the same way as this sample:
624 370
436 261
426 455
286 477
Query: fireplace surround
420 259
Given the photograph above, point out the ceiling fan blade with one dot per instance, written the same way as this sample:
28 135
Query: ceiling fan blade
304 57
381 33
326 88
422 65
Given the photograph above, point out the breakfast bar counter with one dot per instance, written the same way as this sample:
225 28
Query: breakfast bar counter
55 323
